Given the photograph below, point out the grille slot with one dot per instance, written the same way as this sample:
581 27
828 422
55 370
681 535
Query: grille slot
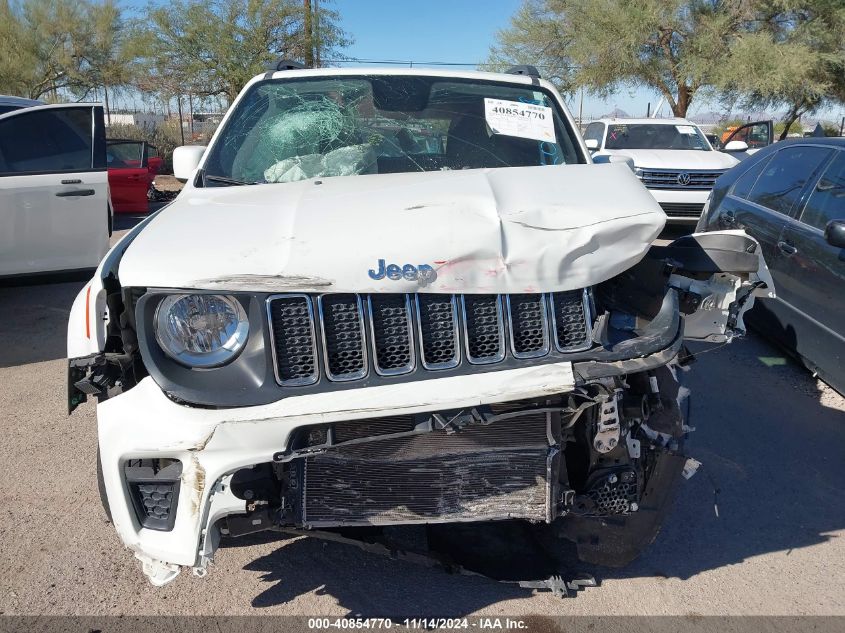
682 209
438 324
528 323
392 334
293 339
571 320
484 328
342 322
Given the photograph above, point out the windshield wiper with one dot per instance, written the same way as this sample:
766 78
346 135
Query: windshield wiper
226 181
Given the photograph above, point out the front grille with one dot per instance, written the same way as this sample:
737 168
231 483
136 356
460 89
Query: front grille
438 323
329 336
485 472
682 209
571 329
343 336
292 333
392 334
529 334
672 178
485 328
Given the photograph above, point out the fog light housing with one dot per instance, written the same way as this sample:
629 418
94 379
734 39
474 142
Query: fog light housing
154 490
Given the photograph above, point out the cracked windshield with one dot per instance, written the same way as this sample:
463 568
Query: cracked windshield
295 130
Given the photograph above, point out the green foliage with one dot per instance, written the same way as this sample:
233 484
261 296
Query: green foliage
212 48
762 53
790 56
608 45
52 45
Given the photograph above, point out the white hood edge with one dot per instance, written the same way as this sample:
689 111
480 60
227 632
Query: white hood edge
512 230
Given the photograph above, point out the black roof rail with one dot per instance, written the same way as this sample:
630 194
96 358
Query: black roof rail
285 64
524 69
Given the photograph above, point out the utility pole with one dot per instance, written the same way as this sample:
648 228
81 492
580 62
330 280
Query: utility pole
309 40
581 109
316 33
179 109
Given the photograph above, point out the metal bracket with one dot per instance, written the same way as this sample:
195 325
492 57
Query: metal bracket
607 426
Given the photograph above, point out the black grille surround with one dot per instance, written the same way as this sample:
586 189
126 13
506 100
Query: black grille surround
354 337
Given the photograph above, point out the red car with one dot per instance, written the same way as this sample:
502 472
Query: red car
132 166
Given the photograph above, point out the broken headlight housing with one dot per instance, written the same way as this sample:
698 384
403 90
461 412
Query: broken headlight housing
201 330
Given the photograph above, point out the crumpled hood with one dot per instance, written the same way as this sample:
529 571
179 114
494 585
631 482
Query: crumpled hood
514 230
677 158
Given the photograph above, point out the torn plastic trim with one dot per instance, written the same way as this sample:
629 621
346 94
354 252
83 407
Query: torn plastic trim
97 373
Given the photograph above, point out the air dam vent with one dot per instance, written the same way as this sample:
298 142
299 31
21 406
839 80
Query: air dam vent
484 472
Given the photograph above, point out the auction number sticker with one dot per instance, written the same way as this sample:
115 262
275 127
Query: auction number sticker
525 120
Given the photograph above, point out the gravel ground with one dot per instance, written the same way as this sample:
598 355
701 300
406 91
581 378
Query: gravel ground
769 436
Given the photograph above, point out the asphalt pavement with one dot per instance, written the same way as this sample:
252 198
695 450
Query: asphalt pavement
770 437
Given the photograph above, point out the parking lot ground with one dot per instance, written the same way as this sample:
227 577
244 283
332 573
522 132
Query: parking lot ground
770 438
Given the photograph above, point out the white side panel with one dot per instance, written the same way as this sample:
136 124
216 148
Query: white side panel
41 231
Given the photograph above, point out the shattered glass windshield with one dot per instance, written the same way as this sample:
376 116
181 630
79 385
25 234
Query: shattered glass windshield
655 136
289 130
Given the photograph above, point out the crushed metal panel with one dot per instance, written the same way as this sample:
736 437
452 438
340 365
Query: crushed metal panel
534 229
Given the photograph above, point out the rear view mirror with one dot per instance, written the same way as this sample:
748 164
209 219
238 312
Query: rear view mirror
834 233
605 159
185 160
592 144
736 146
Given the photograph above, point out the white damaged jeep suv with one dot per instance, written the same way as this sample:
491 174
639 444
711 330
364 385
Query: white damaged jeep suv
398 297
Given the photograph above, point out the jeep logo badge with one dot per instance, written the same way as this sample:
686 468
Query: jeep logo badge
683 178
423 273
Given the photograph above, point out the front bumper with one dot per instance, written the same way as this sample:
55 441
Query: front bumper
211 444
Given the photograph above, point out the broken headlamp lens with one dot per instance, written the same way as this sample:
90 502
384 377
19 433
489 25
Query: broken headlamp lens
201 330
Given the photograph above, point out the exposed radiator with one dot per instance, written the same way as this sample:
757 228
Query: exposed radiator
483 472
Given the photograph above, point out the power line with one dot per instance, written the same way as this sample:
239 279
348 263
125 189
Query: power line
411 63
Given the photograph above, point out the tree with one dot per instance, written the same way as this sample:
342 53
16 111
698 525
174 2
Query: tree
213 48
789 57
47 46
672 46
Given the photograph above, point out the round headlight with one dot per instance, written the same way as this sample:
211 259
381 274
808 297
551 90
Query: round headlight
201 330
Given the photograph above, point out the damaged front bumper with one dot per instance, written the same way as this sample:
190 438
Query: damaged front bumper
212 444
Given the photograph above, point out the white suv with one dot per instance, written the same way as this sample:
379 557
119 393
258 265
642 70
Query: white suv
672 157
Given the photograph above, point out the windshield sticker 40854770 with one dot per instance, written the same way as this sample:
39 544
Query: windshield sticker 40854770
423 273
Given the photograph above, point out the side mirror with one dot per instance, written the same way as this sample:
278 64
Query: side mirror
592 144
185 160
834 233
605 159
736 146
